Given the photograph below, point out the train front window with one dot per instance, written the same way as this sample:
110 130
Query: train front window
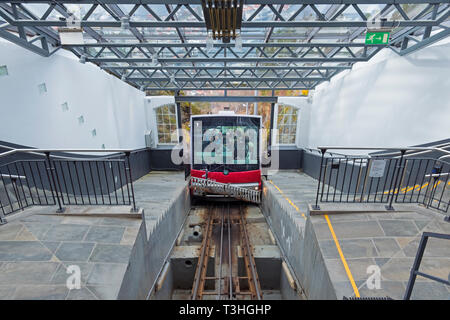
226 143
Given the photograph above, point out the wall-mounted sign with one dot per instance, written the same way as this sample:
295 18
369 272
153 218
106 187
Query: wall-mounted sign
377 168
377 37
305 92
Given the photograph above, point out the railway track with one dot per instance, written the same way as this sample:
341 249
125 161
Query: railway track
225 232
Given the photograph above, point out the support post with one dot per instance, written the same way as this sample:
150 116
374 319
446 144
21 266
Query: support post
415 267
397 181
316 206
51 169
128 168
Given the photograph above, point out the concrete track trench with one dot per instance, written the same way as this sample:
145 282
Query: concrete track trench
225 251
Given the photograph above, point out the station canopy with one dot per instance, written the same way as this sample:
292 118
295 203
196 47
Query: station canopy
224 44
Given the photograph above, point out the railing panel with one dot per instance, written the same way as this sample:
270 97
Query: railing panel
93 182
384 180
24 183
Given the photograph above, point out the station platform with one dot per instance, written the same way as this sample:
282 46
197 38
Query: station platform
350 243
121 254
37 246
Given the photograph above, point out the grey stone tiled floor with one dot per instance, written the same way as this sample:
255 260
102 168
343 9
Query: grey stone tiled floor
37 248
155 191
388 240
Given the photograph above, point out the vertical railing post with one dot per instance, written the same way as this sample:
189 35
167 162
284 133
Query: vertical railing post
316 206
51 169
397 181
2 216
128 168
415 267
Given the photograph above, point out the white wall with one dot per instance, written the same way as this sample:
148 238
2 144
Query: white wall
389 101
112 107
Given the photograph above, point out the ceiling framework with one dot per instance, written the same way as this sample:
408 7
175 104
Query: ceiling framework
286 44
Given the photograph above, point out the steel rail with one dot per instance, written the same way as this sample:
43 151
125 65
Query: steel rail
219 292
200 272
230 275
255 286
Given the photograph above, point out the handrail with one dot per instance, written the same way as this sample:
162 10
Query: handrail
402 150
394 177
43 151
53 177
418 259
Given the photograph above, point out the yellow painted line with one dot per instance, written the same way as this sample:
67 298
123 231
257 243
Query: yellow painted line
288 200
424 185
341 254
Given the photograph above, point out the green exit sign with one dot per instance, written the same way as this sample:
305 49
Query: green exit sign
377 37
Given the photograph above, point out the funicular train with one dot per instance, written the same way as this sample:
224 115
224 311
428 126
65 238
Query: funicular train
226 156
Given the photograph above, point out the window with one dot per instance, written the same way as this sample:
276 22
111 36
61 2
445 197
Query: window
166 122
65 107
42 88
287 124
3 71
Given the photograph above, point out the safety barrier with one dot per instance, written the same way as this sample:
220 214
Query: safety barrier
415 268
65 181
385 178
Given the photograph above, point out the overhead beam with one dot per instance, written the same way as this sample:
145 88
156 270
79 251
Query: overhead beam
245 24
247 2
225 99
227 60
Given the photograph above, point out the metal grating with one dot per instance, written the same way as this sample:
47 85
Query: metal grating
286 44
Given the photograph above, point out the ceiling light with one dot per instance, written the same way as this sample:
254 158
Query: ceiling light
209 42
238 44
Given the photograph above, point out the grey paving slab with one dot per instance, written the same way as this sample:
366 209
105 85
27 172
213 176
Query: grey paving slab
397 269
125 222
10 231
386 247
38 229
104 234
105 292
66 232
43 218
399 228
51 245
111 253
41 292
81 294
23 251
129 236
435 248
393 289
349 229
15 273
74 251
81 220
7 292
351 248
430 291
106 274
359 268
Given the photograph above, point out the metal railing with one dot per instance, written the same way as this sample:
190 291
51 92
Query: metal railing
65 180
415 268
385 178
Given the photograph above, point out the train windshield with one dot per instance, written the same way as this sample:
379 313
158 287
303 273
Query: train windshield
226 143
